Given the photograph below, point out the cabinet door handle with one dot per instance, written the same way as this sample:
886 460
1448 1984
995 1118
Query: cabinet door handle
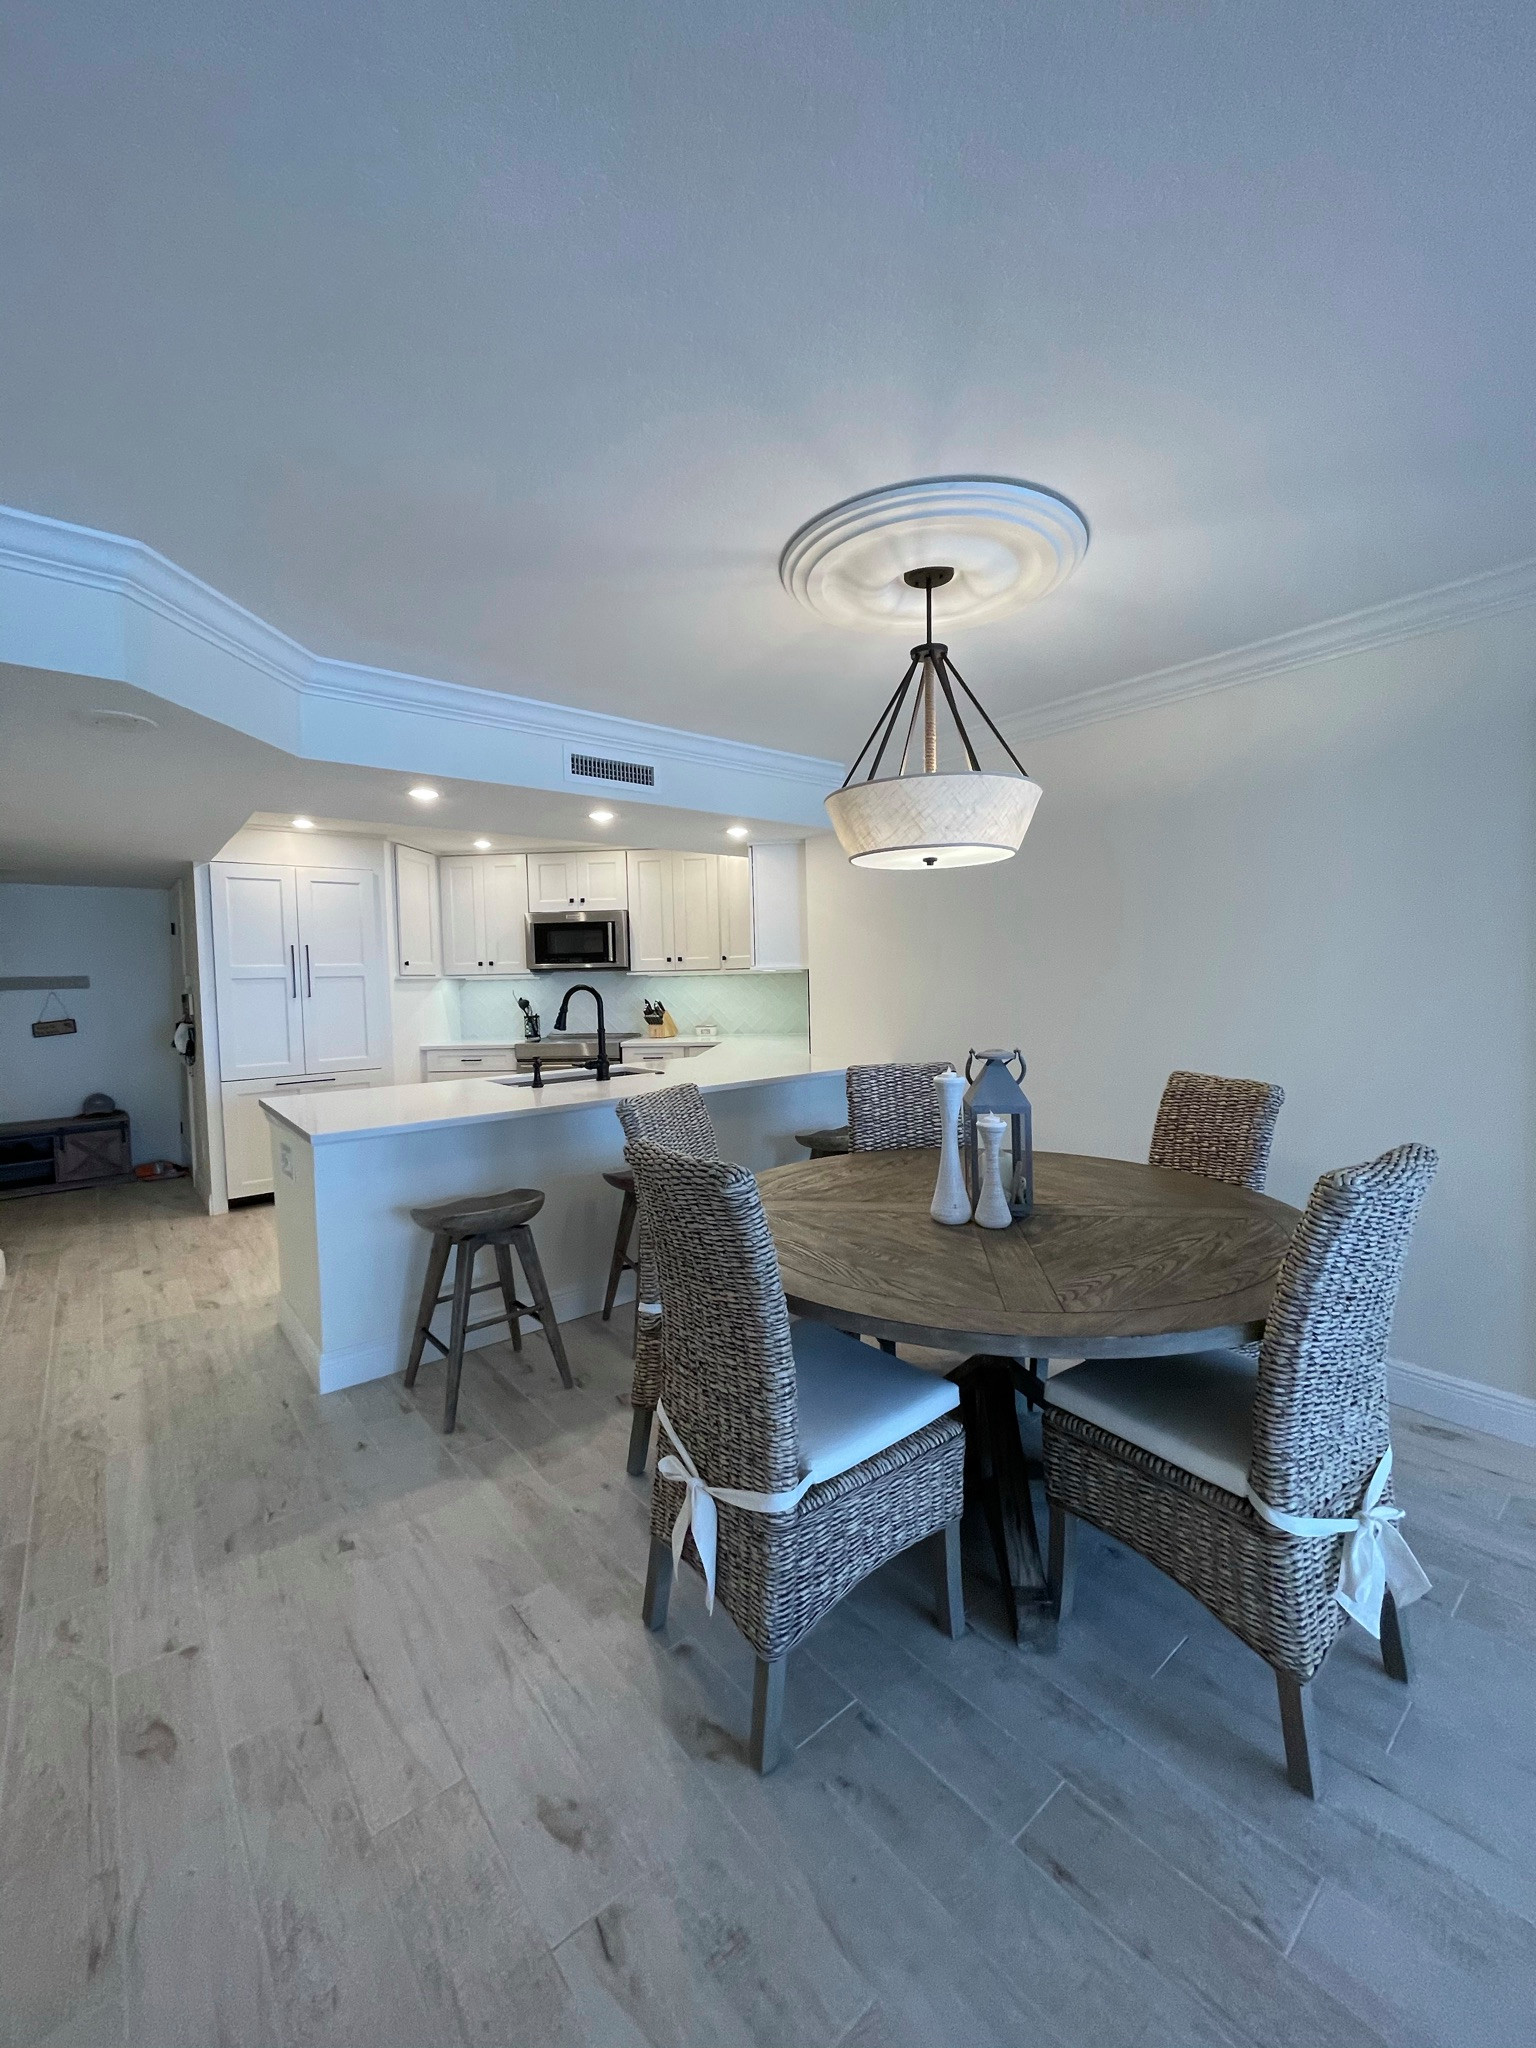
293 970
308 985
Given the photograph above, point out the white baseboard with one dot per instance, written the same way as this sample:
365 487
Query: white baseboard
1493 1410
352 1366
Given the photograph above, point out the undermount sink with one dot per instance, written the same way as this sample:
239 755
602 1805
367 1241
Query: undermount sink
559 1075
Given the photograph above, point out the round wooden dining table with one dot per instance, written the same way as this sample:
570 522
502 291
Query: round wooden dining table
1118 1260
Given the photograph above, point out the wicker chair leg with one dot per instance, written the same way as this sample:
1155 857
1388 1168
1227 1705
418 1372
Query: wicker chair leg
1302 1757
639 1440
766 1749
1396 1655
1061 1567
658 1586
951 1591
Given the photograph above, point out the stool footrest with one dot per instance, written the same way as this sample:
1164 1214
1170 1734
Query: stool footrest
485 1287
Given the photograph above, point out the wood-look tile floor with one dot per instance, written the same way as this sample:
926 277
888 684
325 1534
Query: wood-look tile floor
322 1729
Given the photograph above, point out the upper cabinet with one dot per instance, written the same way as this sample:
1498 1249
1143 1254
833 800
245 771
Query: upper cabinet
650 913
418 934
299 970
692 912
674 913
735 910
577 881
696 912
485 903
466 915
778 906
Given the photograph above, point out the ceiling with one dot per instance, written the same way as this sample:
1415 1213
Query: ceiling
129 805
509 344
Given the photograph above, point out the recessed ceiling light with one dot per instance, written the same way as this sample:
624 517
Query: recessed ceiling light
601 817
482 846
303 824
423 793
738 832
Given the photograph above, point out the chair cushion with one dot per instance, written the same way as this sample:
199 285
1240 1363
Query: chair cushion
1194 1411
854 1401
479 1215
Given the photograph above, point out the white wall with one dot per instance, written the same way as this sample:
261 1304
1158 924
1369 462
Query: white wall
122 939
1324 880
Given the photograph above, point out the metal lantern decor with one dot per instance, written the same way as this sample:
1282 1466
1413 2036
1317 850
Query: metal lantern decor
995 1091
931 818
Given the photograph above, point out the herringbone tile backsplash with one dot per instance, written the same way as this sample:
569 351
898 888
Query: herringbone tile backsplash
742 1005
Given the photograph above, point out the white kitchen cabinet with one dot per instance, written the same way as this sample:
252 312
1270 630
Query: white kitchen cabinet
247 1134
418 938
463 893
603 880
551 881
696 912
256 969
506 913
299 970
342 982
442 1063
778 906
650 913
484 908
735 911
674 913
577 881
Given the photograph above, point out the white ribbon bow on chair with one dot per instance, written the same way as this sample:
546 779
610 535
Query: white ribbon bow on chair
698 1509
1376 1559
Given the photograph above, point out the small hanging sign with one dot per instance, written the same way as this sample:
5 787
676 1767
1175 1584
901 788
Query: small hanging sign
53 1027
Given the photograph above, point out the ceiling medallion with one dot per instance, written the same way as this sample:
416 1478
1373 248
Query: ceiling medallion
1007 543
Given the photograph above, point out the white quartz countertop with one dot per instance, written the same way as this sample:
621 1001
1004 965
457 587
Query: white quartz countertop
328 1117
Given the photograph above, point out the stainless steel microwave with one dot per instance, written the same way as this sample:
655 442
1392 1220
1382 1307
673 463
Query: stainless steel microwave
561 940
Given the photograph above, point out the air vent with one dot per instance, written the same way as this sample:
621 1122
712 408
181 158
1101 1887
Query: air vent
598 768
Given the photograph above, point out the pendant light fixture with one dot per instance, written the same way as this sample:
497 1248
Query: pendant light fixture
918 796
918 815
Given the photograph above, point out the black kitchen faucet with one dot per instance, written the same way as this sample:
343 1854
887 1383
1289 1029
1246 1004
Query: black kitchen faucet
585 988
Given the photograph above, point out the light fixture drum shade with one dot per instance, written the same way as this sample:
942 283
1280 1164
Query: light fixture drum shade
922 821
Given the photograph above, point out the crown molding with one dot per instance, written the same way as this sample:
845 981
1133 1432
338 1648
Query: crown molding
89 603
1485 596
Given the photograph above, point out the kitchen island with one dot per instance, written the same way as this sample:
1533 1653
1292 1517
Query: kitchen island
349 1168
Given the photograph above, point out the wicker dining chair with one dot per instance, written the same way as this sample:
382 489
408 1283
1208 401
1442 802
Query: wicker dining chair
893 1105
677 1120
847 1457
1221 1129
1177 1457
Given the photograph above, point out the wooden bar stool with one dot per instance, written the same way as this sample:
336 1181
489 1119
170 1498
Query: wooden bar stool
622 1262
824 1144
500 1223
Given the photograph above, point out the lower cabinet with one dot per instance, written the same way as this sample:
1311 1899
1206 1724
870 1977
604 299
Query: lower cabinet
247 1145
438 1064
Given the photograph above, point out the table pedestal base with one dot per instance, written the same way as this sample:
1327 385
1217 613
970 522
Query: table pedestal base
997 1476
